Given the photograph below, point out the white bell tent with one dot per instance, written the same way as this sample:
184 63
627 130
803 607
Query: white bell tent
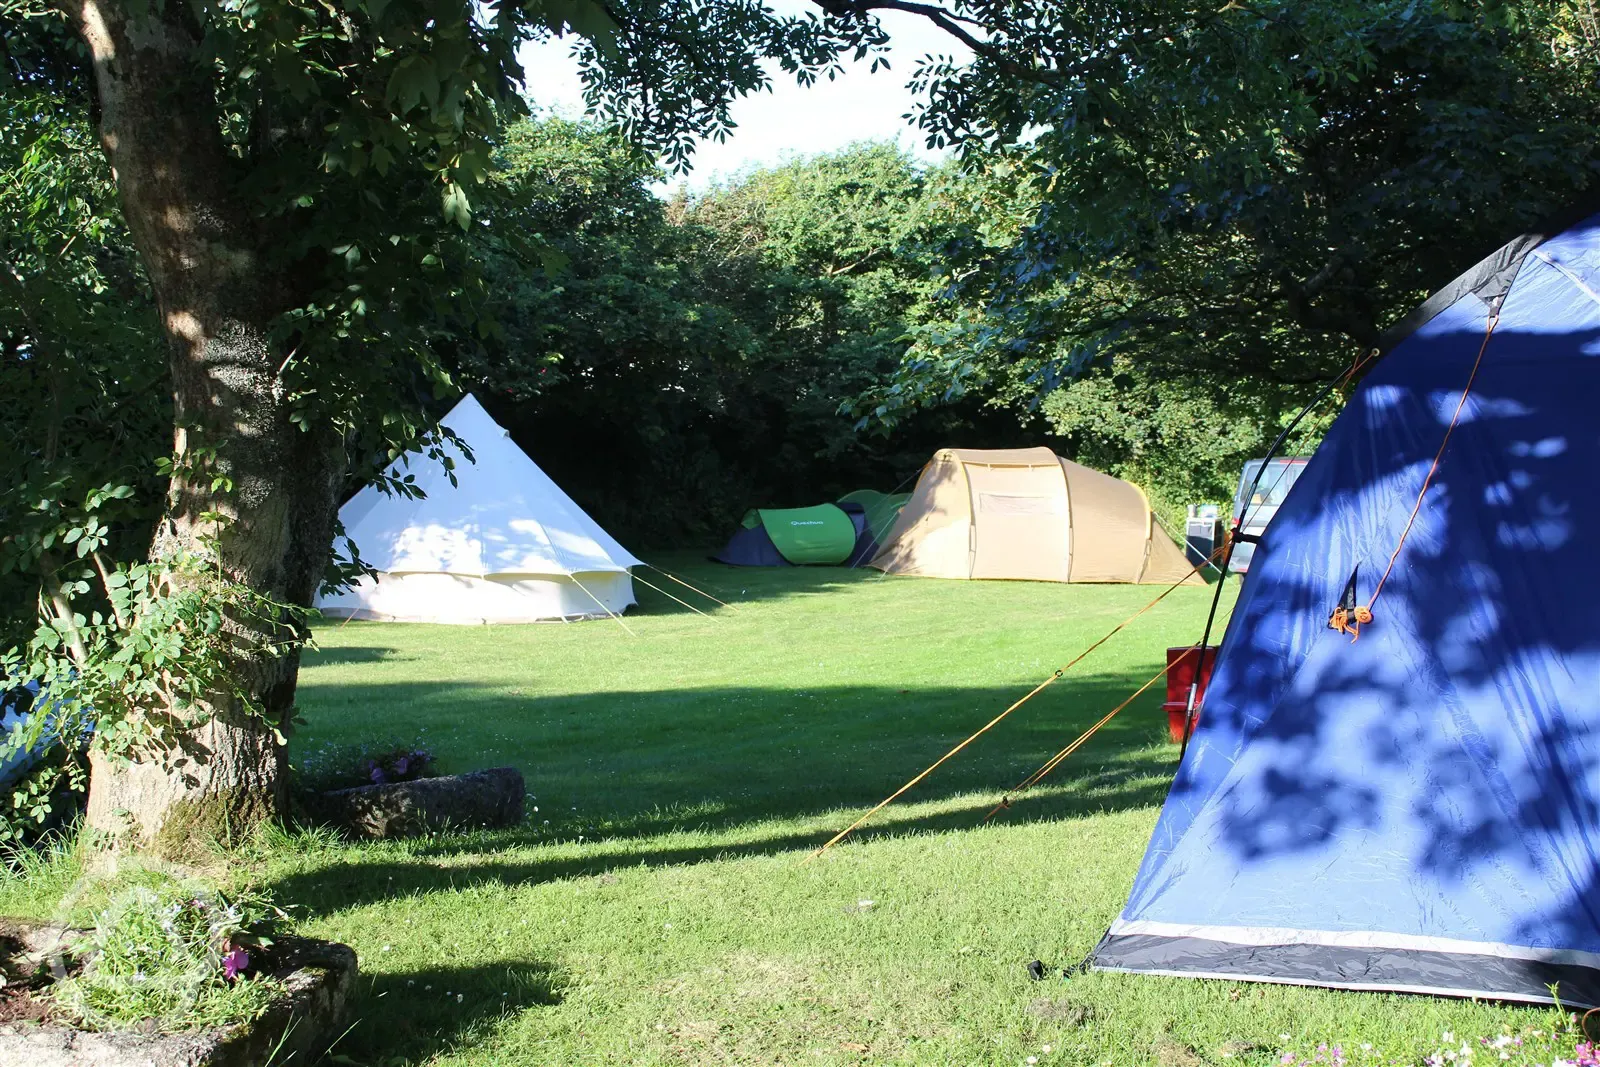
503 545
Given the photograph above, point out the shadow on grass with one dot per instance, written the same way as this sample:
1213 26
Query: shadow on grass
737 585
352 654
408 1017
628 770
506 860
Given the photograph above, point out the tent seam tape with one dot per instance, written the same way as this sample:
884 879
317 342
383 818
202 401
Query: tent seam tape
1566 273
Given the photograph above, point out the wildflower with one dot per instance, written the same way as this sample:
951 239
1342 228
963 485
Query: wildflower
1032 1059
234 963
385 948
1047 1050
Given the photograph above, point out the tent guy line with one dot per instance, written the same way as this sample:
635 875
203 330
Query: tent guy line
651 585
686 585
1433 468
1061 757
1052 679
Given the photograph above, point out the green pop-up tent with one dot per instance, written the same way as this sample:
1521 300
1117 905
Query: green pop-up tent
844 533
829 534
881 508
820 534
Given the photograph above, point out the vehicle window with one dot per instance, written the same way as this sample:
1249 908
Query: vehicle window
1276 483
1273 487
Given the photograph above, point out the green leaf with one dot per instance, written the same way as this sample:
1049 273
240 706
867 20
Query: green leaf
456 207
413 82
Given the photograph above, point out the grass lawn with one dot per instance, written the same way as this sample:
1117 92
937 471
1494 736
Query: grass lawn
657 909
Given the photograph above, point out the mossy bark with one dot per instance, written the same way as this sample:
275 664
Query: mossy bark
255 492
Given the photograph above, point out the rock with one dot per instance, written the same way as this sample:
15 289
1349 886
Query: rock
28 947
402 809
319 977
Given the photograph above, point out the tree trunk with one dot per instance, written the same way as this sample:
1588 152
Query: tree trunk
272 527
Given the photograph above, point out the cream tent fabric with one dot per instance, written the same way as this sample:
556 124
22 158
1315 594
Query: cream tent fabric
503 545
1027 513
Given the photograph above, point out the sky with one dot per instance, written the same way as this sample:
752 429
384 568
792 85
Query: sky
788 121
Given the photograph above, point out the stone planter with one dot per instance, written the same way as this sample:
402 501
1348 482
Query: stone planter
320 980
481 799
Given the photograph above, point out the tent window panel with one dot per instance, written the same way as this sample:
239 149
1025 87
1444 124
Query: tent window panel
1018 504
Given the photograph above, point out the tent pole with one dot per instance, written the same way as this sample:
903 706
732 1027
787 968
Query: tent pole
1238 525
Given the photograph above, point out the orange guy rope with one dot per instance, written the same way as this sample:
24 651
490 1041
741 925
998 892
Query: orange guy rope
891 798
1060 757
1437 456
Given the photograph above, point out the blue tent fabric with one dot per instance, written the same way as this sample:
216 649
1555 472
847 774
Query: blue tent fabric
750 546
1419 809
15 710
866 545
18 706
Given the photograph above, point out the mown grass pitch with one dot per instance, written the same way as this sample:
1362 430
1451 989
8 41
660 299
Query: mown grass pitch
657 909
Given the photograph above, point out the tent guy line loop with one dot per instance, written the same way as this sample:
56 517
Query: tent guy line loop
1035 691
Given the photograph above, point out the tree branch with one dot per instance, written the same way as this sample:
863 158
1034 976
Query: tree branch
1057 77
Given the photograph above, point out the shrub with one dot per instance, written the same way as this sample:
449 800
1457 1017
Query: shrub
47 797
171 958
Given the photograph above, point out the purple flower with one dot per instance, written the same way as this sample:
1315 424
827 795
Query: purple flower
376 774
234 963
401 765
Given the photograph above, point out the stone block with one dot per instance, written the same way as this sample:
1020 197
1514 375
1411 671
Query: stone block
481 799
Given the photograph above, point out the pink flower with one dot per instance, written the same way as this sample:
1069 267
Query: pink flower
234 963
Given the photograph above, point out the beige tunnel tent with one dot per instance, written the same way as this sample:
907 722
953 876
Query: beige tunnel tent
1026 513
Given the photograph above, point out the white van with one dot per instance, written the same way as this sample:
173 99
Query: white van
1258 511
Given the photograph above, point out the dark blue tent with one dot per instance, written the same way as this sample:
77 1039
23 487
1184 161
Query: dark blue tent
1418 809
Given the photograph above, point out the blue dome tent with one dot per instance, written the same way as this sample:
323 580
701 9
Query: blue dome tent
1416 809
